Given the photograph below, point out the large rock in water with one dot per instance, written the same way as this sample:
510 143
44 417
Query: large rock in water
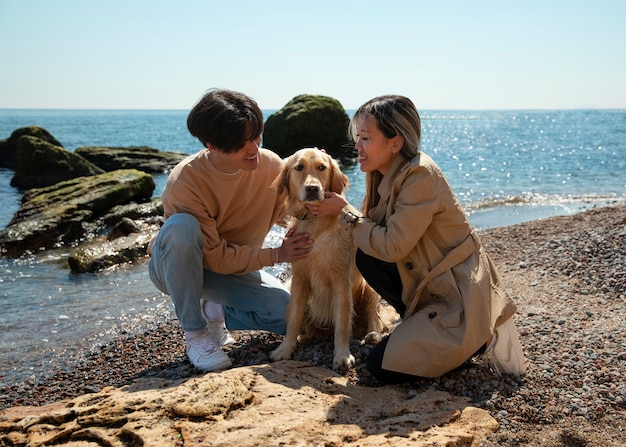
283 404
65 212
40 164
144 158
310 121
8 147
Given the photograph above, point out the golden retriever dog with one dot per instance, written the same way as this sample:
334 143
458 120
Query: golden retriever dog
327 290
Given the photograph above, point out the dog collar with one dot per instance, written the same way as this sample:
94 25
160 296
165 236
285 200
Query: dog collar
305 216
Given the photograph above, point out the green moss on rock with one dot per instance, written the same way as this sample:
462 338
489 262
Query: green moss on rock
63 213
40 163
309 121
144 158
8 147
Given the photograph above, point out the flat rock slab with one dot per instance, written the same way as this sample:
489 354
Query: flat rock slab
62 213
286 403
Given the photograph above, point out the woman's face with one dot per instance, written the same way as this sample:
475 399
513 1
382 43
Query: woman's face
376 152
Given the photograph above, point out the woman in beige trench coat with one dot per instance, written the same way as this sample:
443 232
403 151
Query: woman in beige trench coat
417 249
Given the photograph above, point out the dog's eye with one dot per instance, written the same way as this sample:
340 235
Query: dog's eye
299 167
321 167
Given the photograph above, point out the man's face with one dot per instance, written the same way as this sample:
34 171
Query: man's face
246 158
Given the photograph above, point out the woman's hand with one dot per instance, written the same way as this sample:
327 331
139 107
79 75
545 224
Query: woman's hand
331 204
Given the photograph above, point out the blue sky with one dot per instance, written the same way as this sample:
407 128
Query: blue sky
135 54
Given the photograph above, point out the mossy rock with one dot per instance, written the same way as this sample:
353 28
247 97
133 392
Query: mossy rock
105 254
144 158
310 121
66 212
8 146
41 163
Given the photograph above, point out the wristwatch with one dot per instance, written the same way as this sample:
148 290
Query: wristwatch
351 218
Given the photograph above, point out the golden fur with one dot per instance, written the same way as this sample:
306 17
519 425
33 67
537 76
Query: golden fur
327 290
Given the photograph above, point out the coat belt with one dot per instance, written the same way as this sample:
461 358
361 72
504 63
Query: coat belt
456 256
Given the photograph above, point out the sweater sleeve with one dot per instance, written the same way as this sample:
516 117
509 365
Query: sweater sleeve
235 247
222 256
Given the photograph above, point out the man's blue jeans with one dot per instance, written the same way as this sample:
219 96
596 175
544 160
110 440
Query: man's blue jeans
255 300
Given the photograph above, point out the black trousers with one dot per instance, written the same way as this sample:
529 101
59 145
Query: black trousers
384 278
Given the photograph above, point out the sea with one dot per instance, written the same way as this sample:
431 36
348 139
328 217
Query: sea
506 167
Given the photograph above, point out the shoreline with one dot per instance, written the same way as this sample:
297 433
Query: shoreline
111 308
565 273
507 215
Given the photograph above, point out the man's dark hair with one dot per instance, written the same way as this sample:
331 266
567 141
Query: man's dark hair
226 120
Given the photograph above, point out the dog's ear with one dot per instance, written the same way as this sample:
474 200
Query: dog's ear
338 180
281 182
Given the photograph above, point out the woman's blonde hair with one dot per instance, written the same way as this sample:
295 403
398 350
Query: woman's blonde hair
394 115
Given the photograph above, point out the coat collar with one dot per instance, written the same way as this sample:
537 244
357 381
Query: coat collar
397 166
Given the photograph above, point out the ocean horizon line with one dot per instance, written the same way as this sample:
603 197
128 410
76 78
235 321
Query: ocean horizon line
436 109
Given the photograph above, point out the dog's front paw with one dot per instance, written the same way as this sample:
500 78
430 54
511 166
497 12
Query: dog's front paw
343 360
283 352
372 338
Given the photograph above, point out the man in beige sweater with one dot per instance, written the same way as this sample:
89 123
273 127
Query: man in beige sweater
219 206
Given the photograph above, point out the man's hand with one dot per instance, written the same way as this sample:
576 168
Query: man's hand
295 246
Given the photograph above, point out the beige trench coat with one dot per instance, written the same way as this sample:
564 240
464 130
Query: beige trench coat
451 288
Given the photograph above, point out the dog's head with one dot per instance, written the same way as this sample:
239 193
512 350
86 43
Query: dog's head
308 173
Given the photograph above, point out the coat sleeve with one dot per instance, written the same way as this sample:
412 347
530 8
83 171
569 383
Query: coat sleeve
416 202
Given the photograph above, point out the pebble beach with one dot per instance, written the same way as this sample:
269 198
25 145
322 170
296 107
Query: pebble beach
567 275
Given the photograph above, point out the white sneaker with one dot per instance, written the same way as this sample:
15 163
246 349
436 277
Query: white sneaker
219 333
504 353
216 325
203 353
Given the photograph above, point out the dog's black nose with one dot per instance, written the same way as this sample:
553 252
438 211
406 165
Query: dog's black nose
312 188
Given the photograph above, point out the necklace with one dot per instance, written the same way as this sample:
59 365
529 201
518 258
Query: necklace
229 173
